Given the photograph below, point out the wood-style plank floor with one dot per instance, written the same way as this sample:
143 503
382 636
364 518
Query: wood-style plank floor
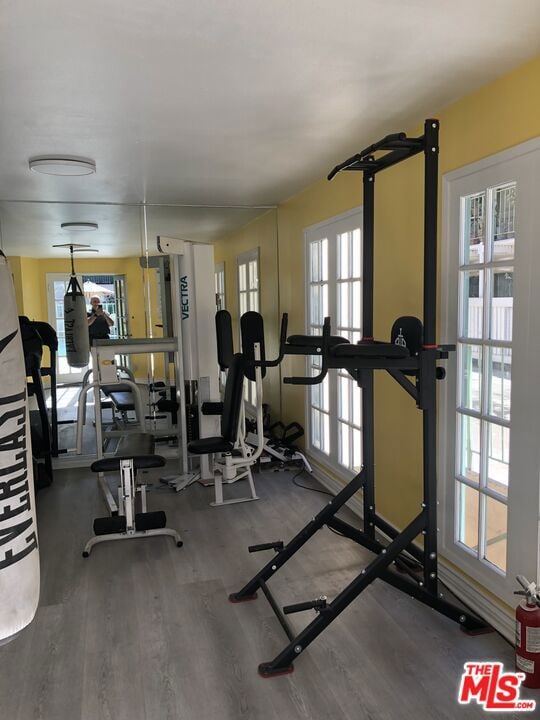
142 630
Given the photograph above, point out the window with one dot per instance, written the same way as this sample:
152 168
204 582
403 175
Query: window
484 351
491 402
219 280
247 265
334 288
248 281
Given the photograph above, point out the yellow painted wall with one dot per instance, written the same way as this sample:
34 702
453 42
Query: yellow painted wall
31 291
502 114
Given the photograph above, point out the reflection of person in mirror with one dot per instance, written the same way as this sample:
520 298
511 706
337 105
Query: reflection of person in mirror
99 322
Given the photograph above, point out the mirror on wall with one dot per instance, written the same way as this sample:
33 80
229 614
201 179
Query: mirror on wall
122 269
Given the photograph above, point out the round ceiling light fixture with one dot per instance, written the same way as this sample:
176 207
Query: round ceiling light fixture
62 165
79 226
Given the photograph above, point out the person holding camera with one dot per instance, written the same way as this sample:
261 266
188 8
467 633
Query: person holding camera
99 322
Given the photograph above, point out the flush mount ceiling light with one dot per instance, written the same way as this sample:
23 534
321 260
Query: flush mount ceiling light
62 165
79 226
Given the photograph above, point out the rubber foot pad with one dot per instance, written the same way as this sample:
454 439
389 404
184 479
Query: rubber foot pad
233 597
266 671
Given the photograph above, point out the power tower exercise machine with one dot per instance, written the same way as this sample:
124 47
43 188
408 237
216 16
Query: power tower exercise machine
411 358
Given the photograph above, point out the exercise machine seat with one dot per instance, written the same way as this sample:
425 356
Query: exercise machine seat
140 462
121 396
138 447
230 415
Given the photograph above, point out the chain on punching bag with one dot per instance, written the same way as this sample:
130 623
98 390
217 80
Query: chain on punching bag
19 558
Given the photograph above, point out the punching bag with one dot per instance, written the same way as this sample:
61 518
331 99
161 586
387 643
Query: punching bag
19 557
76 325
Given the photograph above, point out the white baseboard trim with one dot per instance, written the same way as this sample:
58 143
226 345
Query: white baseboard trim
500 619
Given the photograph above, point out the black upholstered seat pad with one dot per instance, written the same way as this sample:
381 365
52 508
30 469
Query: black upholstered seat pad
123 400
365 350
121 395
206 446
315 340
140 462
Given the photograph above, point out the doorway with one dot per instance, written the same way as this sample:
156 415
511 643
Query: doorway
110 288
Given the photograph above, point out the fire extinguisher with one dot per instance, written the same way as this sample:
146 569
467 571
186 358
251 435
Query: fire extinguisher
528 633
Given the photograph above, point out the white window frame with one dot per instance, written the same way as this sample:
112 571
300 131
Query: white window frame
219 281
331 229
522 165
245 258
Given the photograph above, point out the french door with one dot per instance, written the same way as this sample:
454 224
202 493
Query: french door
334 288
247 269
112 291
56 289
491 401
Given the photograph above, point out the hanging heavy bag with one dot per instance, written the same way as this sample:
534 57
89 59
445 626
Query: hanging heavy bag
76 325
19 558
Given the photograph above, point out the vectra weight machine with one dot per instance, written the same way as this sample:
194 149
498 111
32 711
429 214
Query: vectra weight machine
411 358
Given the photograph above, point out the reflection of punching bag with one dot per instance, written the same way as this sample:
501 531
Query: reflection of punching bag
76 325
19 558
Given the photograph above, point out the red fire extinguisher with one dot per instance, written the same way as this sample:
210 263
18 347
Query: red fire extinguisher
528 633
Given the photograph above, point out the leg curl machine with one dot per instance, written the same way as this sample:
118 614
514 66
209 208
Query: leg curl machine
411 358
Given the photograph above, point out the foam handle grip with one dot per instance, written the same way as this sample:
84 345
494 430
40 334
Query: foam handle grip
19 557
76 325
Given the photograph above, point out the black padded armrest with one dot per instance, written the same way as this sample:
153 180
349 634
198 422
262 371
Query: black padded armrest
140 462
314 340
370 350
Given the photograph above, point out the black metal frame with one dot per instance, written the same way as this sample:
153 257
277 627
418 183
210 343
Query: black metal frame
418 575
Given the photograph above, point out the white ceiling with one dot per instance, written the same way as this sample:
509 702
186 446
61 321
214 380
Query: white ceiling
232 102
31 229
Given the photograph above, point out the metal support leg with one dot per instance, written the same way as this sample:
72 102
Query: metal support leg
282 663
249 591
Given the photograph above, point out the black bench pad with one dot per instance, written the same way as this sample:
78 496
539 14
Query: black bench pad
136 446
121 395
140 462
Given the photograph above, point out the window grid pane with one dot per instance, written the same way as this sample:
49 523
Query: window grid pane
341 255
484 372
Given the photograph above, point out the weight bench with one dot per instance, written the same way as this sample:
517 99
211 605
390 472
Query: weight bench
134 452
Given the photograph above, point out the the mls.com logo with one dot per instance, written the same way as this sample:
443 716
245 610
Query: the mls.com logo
488 685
